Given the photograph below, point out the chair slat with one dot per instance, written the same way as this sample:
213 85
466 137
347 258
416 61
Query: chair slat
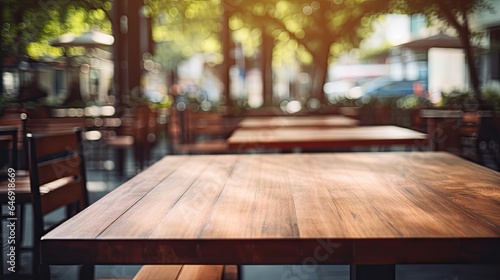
55 143
61 196
58 168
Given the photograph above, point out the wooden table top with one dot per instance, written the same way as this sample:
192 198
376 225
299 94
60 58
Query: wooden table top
378 208
436 114
297 121
321 138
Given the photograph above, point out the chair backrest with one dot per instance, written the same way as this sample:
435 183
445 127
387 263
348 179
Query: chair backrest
20 150
57 174
12 133
134 122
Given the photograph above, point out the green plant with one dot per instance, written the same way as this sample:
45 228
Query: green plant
413 102
165 103
457 99
5 100
491 96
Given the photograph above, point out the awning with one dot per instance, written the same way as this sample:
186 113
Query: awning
440 40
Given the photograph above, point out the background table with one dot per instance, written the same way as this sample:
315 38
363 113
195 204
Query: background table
344 208
324 138
297 121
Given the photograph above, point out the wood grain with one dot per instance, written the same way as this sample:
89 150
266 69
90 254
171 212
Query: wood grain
205 272
255 184
180 272
344 208
158 272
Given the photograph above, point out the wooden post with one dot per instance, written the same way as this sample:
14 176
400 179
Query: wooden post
119 50
134 55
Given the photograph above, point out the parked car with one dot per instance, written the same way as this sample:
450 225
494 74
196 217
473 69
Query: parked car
385 87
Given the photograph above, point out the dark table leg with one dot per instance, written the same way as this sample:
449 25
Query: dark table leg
431 132
373 272
120 161
86 272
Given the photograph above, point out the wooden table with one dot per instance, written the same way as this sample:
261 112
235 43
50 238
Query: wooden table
324 138
342 208
297 121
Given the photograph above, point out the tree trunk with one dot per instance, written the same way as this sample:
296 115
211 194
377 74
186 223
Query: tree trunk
463 30
471 64
228 61
321 65
134 55
321 61
2 54
119 52
266 68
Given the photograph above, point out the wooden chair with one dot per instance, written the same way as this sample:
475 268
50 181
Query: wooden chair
19 120
22 187
197 133
10 132
468 132
154 130
57 180
132 134
480 138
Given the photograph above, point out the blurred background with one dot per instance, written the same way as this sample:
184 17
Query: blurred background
246 54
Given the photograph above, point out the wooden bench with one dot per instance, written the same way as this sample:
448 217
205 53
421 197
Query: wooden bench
187 272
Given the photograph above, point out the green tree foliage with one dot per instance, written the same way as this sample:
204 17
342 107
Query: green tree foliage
317 30
20 22
183 28
77 21
26 26
27 21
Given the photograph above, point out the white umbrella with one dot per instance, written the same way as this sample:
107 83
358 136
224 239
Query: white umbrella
90 39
